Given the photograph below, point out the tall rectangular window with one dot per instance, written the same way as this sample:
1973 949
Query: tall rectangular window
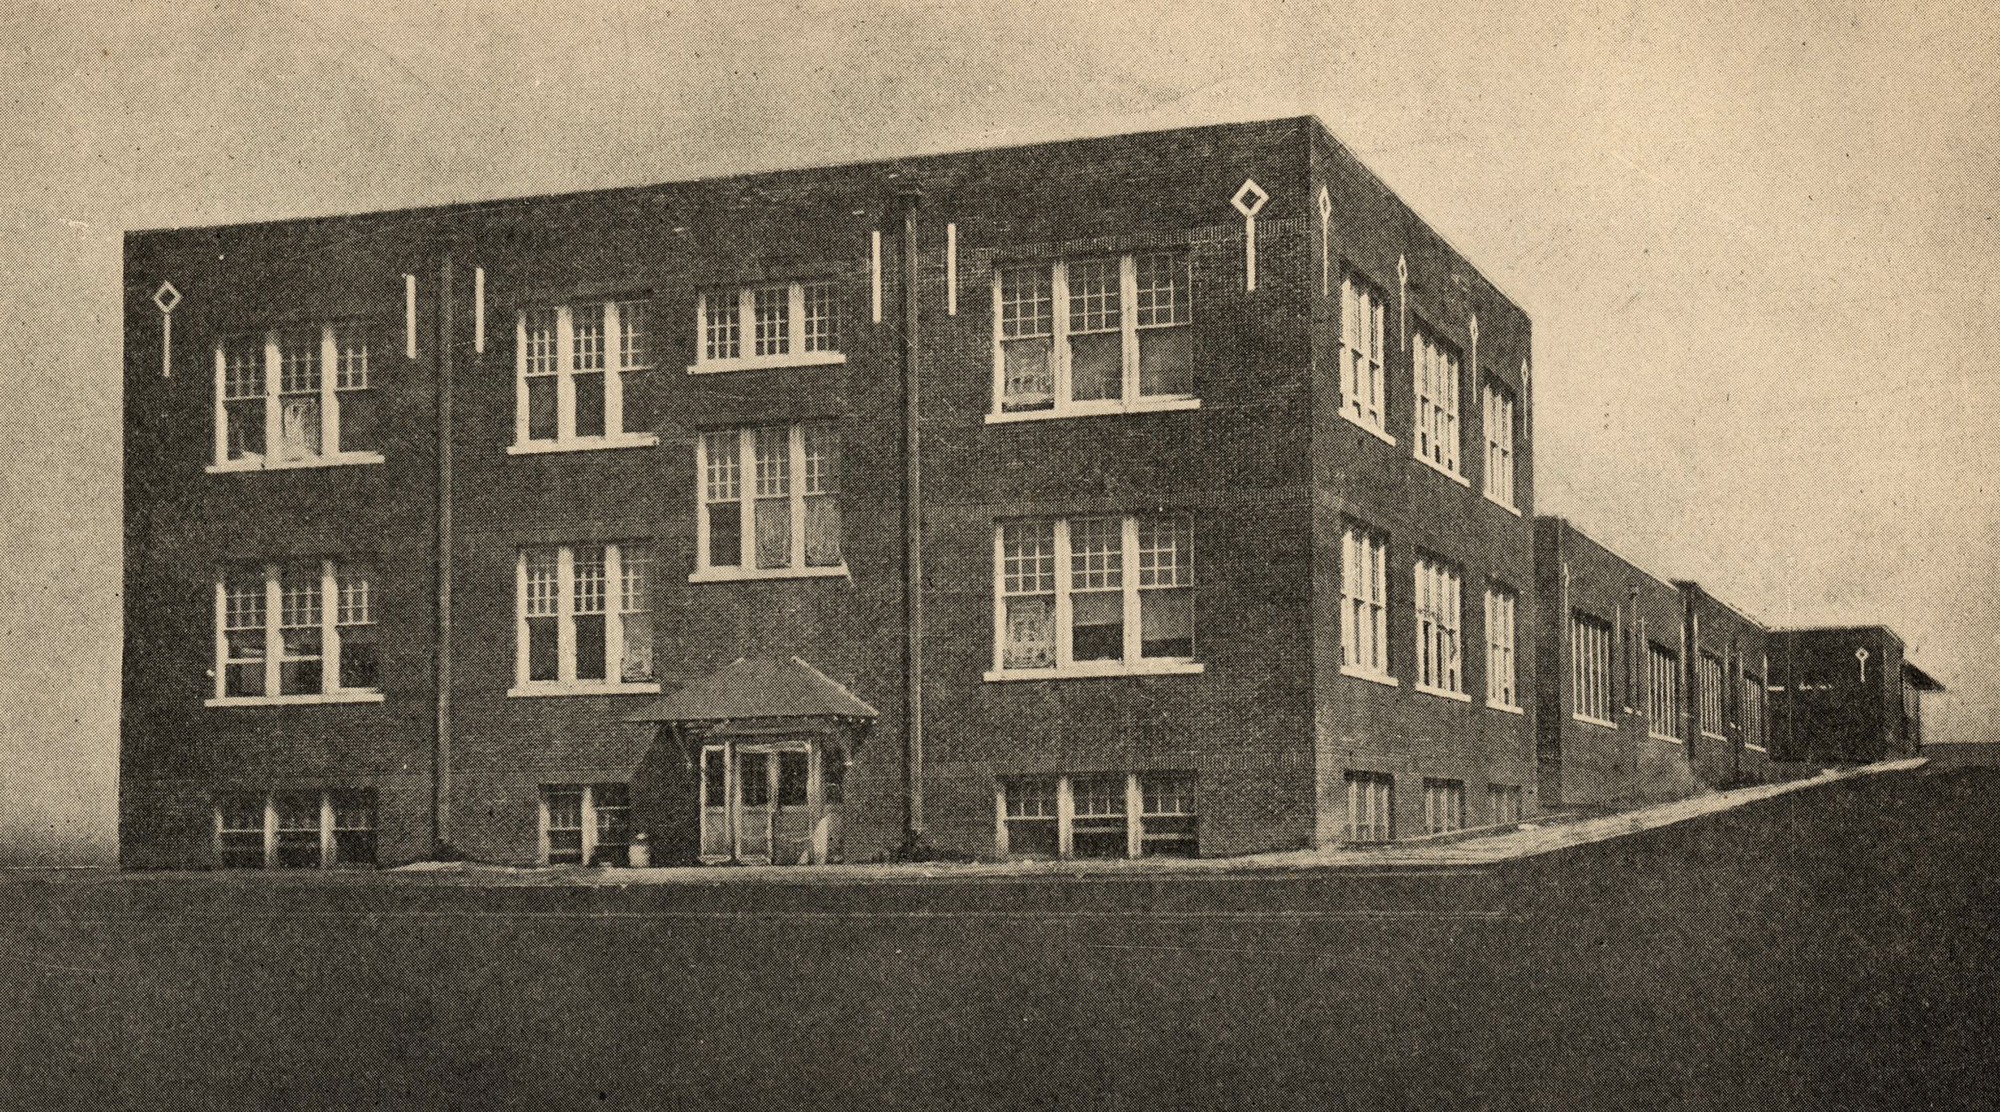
584 619
1092 595
1371 799
1092 335
296 396
786 519
1663 692
1590 668
1362 354
1364 602
1438 597
1753 711
1712 695
1444 806
1501 690
780 324
300 631
572 366
1435 373
1499 423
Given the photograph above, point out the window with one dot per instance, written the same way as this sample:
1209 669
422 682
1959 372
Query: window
296 397
1499 422
1364 606
571 363
1663 692
1101 814
782 324
1093 596
1092 335
1435 372
1438 598
785 519
307 829
1712 695
1371 807
1753 712
585 619
1500 674
585 824
302 631
1362 355
1503 803
1444 806
1590 668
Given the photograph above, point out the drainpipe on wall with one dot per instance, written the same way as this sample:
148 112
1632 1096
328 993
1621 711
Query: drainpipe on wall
441 668
910 198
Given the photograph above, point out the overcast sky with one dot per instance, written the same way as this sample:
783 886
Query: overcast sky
1757 242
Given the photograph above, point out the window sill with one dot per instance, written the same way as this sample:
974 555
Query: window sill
1508 707
1663 737
741 575
767 363
1755 748
1095 409
1515 510
1379 434
1441 469
1383 678
1713 736
540 690
584 444
339 459
1600 723
1455 696
1097 671
295 700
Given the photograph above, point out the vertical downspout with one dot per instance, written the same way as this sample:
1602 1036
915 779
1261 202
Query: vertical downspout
913 541
441 669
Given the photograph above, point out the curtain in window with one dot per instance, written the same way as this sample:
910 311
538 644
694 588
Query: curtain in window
299 427
1031 632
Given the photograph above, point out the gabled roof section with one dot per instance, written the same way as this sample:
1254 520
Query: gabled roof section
760 687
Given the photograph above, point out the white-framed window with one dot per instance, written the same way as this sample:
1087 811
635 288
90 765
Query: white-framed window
298 396
1498 406
1434 369
1439 597
1089 335
1590 668
571 368
1444 805
1712 695
300 631
1663 692
1753 712
1363 354
585 824
1501 690
310 828
584 619
1364 603
1371 807
1503 803
769 503
774 324
1099 814
1093 596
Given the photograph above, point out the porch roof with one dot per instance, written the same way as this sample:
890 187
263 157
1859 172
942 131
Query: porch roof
757 688
1918 678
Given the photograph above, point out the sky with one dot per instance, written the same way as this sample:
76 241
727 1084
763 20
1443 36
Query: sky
1757 243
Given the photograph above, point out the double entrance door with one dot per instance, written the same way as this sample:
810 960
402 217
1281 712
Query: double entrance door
769 802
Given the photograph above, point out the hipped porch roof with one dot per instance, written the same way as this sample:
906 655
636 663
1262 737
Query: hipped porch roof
758 688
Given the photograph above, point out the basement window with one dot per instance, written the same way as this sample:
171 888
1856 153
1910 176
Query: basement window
1098 815
302 829
585 824
1093 335
1503 803
1371 800
1444 806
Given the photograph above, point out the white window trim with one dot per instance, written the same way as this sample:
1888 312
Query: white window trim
1066 668
1353 538
1449 619
795 354
1454 467
1579 669
1497 409
1353 293
329 647
1065 816
1503 652
328 856
588 834
1589 720
615 434
746 501
329 410
1130 400
1654 661
566 682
